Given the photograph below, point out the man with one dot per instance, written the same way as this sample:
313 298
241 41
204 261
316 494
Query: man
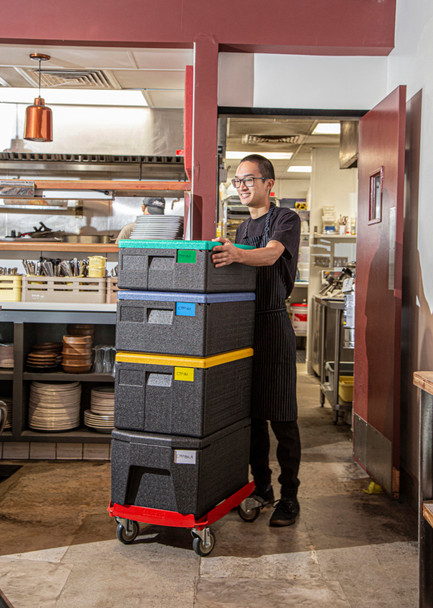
150 206
274 233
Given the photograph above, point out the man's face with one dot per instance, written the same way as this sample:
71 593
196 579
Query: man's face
258 194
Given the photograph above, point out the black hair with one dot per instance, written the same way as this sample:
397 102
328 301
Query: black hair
265 166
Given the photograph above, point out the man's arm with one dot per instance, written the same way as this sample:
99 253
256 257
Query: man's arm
227 253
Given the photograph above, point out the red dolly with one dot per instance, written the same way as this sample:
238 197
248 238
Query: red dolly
127 517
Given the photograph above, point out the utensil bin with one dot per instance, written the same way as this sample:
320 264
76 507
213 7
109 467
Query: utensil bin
198 325
180 474
63 289
112 290
345 388
184 266
10 288
345 368
179 395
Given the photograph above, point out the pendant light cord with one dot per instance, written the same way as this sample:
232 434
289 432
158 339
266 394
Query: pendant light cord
39 77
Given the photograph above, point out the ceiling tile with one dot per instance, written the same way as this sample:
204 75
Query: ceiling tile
150 79
165 99
163 59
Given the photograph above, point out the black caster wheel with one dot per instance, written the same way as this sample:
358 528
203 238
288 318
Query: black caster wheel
127 536
250 514
200 548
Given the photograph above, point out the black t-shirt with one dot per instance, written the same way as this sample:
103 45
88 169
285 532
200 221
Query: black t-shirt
284 227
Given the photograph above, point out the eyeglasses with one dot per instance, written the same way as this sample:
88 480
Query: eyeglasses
247 181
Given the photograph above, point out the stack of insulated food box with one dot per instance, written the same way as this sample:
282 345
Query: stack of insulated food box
184 338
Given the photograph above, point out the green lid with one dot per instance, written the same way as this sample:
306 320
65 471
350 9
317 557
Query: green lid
200 245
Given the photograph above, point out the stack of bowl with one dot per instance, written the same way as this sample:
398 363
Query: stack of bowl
44 357
96 267
80 329
7 355
77 354
8 402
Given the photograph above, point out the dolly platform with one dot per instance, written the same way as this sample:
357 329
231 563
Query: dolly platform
128 517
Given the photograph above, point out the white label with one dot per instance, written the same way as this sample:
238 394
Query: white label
185 456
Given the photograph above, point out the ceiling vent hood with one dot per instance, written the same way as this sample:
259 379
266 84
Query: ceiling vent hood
90 166
271 139
60 78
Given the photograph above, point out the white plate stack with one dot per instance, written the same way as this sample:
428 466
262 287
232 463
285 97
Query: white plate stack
100 417
157 227
7 355
54 407
8 402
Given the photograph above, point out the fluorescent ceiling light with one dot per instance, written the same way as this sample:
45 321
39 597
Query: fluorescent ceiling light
299 169
236 155
327 128
74 97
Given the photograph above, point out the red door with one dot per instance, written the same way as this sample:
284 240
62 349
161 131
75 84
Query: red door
378 292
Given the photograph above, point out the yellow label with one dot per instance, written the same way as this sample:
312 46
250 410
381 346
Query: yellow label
184 373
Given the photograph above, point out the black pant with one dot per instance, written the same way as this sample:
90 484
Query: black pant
288 454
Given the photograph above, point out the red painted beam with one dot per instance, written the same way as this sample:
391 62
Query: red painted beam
187 120
204 176
339 27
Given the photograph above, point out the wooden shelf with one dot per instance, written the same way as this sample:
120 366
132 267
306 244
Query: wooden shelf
63 376
24 245
318 235
424 381
121 188
6 374
427 511
82 434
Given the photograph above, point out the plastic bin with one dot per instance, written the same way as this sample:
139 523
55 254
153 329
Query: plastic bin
180 474
179 266
300 317
346 369
198 325
63 289
10 288
182 396
345 388
112 289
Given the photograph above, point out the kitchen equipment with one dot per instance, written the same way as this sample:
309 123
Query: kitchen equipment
184 266
88 238
190 396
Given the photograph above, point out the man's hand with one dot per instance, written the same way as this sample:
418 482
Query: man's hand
225 254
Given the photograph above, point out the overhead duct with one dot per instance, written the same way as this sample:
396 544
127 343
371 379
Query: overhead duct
349 136
61 78
271 139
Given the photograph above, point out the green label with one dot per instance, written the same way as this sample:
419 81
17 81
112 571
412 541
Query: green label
186 256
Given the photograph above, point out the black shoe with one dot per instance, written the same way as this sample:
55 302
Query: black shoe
285 513
263 496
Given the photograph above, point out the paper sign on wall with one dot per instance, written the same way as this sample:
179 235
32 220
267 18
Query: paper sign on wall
185 374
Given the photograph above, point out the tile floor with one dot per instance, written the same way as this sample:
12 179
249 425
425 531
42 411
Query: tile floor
348 549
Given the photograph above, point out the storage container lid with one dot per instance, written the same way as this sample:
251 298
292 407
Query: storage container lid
197 362
178 441
148 244
174 296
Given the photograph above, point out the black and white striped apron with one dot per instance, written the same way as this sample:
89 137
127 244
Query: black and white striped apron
274 368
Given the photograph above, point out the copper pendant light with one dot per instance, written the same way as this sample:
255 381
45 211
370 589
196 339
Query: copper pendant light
38 124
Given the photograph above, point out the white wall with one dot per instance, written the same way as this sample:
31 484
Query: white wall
300 81
291 188
99 130
236 79
331 185
411 63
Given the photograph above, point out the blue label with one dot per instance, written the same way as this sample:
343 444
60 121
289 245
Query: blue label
185 309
